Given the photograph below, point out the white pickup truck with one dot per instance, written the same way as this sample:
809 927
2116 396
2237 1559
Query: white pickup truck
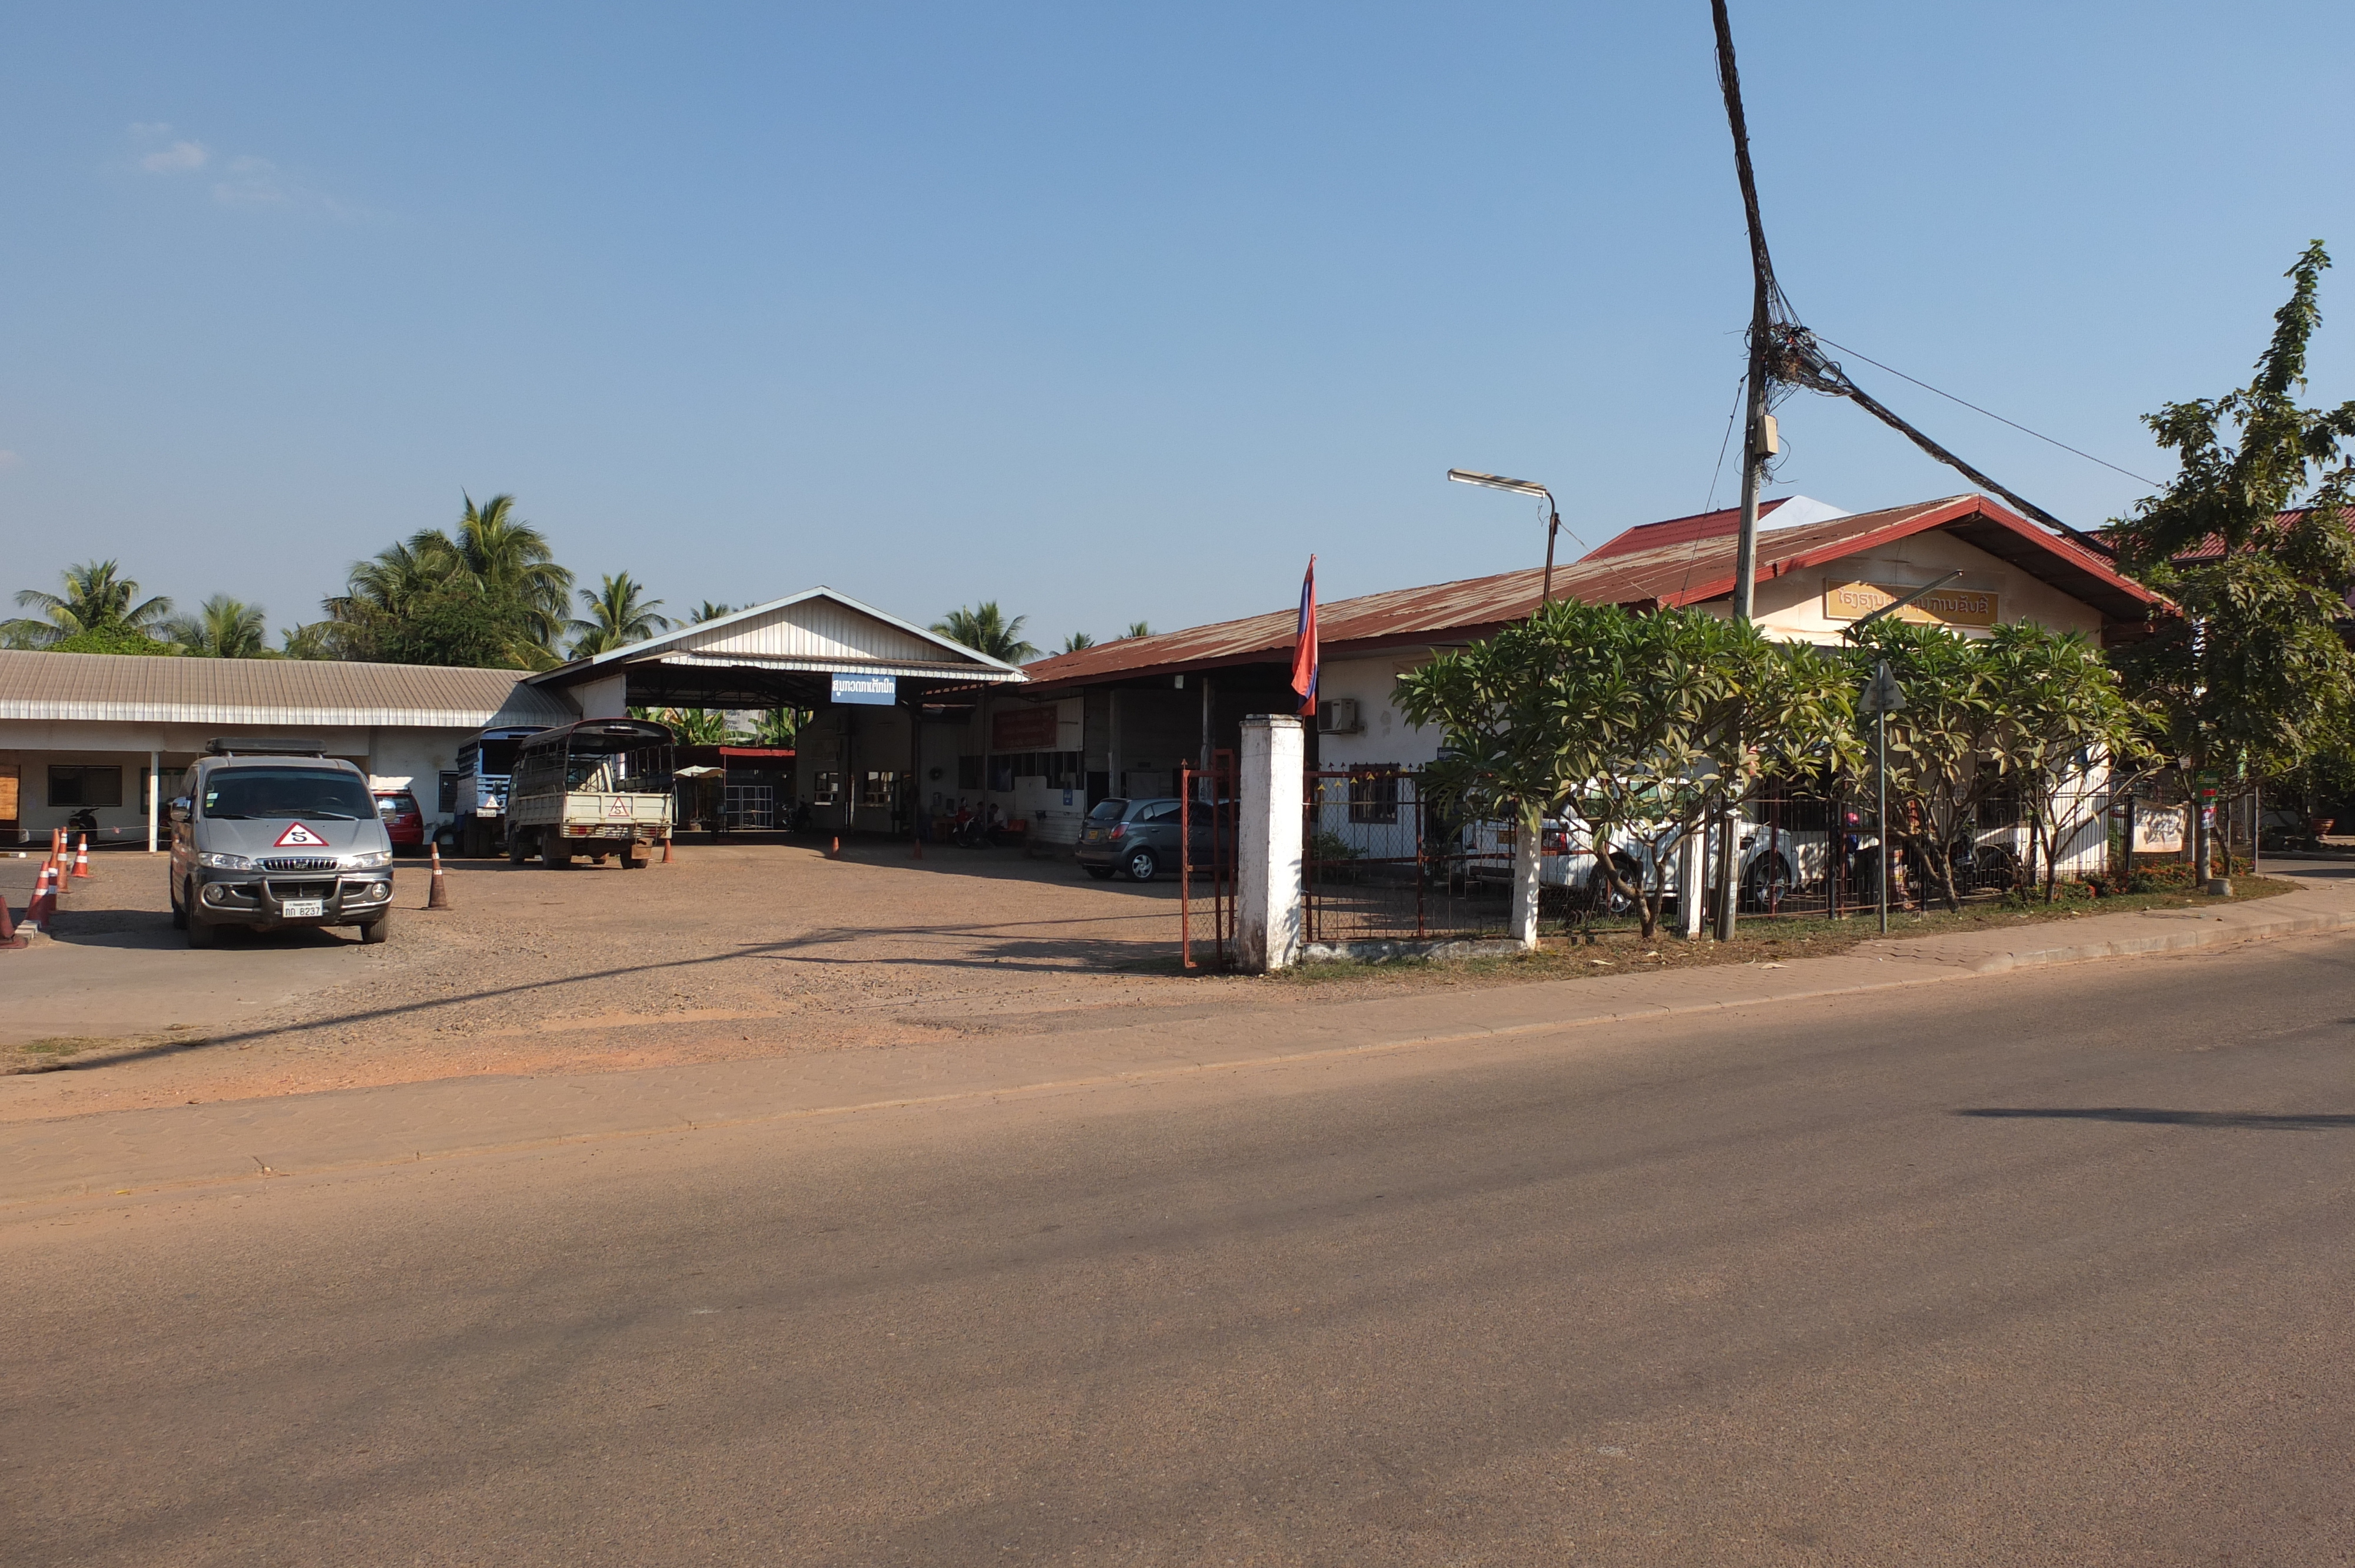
599 787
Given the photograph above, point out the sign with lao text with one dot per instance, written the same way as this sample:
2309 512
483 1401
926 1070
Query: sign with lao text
865 690
1942 607
1023 729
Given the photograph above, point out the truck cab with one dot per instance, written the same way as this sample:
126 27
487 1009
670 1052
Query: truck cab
486 768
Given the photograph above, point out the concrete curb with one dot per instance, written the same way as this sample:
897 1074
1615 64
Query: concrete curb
2203 930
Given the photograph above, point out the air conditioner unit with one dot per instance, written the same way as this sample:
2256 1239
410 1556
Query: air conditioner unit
1339 716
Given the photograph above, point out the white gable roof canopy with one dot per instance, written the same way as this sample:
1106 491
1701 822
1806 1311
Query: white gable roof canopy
785 654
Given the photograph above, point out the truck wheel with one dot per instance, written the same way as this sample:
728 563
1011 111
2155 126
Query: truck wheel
635 858
555 852
518 846
377 930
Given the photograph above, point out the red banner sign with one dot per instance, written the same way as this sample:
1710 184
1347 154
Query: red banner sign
1023 729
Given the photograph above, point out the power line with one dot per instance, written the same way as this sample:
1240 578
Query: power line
1999 419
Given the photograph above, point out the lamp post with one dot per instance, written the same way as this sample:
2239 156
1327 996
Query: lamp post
1522 487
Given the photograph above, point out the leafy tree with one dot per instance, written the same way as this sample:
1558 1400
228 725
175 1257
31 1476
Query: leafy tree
1640 726
1942 743
313 640
454 625
224 628
97 599
2253 545
1077 640
985 630
614 617
692 727
502 568
708 610
112 639
1137 628
2066 728
780 726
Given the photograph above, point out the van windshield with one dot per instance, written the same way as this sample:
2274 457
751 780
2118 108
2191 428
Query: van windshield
237 793
1107 811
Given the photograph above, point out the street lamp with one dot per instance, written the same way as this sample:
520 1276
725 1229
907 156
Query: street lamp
1521 487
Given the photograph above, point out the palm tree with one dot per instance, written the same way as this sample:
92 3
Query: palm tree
510 558
97 598
690 727
1138 628
313 640
1077 640
224 628
613 617
985 630
708 610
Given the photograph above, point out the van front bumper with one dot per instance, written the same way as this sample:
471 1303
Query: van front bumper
262 899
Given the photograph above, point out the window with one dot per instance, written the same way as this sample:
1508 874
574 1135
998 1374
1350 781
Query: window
825 790
969 772
879 789
1374 795
80 785
237 794
1060 769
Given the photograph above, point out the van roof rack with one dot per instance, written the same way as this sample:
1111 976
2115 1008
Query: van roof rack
264 746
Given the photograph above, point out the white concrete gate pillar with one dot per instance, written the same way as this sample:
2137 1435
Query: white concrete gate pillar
1529 848
1268 887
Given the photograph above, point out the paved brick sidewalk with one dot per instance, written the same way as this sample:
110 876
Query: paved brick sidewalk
143 1150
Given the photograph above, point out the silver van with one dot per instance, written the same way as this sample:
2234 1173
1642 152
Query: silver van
271 833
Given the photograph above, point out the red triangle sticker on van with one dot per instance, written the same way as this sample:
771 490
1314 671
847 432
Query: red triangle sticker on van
299 837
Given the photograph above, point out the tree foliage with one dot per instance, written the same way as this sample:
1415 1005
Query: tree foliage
490 596
986 630
1077 640
2252 543
99 603
1636 726
223 628
614 615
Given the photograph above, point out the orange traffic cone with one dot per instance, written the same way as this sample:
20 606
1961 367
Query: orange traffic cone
9 937
57 843
439 898
836 852
666 846
82 857
918 852
44 907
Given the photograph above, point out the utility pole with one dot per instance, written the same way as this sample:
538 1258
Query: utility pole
1757 441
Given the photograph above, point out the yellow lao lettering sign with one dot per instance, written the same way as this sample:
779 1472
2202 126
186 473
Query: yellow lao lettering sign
1946 607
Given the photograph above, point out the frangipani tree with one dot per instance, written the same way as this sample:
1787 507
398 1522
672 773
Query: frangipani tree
1640 726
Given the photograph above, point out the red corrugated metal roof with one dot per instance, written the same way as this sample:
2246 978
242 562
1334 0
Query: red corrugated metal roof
1694 565
1678 530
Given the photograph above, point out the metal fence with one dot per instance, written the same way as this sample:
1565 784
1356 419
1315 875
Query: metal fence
1382 860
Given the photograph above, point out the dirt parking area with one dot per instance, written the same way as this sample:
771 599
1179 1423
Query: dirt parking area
733 950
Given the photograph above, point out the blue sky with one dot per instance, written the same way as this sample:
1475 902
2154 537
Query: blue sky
1106 313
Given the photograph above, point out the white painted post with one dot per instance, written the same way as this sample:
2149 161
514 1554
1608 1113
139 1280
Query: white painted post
1268 891
1529 846
155 796
1691 856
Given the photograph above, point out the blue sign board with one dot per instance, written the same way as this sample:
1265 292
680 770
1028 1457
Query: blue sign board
873 691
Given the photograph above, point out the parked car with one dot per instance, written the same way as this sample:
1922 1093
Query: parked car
267 835
404 823
1139 839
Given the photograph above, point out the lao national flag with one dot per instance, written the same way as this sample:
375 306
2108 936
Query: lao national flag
1303 649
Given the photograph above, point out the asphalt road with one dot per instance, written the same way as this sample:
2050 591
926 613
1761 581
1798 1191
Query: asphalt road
2043 1268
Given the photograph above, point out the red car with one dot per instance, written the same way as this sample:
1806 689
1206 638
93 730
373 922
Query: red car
403 823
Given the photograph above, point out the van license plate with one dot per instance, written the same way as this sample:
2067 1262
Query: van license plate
303 908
